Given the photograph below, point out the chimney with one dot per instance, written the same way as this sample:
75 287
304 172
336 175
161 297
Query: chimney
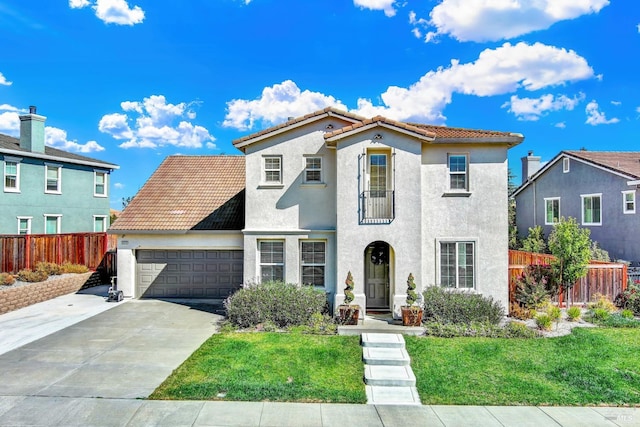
530 165
32 131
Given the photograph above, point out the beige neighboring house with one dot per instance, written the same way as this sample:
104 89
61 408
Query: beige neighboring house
325 194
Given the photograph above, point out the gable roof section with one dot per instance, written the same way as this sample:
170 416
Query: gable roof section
366 124
445 134
11 146
188 193
623 164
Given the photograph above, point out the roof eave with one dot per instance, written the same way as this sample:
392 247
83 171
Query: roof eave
43 156
511 140
332 140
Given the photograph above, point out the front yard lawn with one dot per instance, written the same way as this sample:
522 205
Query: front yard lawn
589 367
270 366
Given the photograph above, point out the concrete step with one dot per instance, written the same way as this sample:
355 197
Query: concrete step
377 395
385 356
382 340
390 376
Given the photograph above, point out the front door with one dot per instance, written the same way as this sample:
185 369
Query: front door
376 265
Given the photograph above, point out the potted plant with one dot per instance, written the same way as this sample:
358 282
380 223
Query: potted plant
412 312
349 313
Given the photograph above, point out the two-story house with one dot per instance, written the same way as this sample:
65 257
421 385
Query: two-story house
46 190
333 192
598 188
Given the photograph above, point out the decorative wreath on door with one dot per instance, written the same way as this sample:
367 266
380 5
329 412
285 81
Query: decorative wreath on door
379 254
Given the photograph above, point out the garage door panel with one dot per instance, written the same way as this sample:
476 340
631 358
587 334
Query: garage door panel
188 274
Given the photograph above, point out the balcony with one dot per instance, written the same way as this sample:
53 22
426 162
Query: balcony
377 207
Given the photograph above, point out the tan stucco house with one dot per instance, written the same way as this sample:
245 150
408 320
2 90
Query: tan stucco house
317 197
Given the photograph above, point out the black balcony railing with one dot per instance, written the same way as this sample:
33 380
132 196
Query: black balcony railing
377 207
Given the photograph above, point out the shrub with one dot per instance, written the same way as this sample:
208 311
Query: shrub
444 306
630 298
554 313
319 324
479 329
282 304
28 275
535 286
600 301
6 279
543 321
534 242
573 313
518 312
519 330
50 268
600 314
616 320
67 267
626 313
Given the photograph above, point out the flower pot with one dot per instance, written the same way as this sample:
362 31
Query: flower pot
348 314
411 316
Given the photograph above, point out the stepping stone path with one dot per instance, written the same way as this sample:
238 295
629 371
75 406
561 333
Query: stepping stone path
388 376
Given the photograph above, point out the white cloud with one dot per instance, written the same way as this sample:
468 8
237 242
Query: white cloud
491 20
596 117
118 185
276 104
10 124
157 124
561 125
112 11
4 81
638 28
57 138
385 5
616 103
533 108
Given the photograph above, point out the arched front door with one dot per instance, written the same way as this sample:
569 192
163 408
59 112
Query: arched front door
376 273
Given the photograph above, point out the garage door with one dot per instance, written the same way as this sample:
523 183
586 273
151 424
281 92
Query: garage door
188 273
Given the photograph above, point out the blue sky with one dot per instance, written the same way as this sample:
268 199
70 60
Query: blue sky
133 81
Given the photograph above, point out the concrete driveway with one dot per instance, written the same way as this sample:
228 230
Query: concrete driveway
125 352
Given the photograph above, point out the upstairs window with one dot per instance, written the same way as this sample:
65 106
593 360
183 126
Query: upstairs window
272 170
271 260
552 210
629 202
312 262
313 170
100 184
378 175
53 179
591 209
565 165
11 176
458 172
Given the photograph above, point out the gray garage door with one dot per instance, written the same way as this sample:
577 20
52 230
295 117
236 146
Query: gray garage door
188 273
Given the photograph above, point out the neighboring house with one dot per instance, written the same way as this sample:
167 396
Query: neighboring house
50 191
325 194
599 189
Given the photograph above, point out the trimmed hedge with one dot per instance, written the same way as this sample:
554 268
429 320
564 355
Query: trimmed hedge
451 306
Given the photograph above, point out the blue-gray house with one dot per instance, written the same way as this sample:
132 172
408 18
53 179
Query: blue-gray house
49 191
597 188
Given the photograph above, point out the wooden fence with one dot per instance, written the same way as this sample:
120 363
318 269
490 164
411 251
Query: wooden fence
18 252
606 278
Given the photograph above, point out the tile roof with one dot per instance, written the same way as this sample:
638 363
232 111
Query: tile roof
627 163
380 119
189 193
460 133
11 143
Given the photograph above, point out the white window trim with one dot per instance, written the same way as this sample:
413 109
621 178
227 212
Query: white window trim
465 190
314 265
624 202
439 242
59 167
58 222
305 169
17 161
550 199
566 165
28 218
104 223
584 196
95 183
263 172
284 259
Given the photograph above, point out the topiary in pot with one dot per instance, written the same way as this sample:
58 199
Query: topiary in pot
349 313
412 312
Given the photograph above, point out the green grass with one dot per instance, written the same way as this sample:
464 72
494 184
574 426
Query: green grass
270 366
588 367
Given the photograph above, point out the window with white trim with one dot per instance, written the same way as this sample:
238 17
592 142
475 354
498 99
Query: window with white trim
24 225
99 223
458 172
313 170
457 265
552 210
629 202
11 176
591 209
271 260
272 169
566 162
53 175
52 224
100 184
312 262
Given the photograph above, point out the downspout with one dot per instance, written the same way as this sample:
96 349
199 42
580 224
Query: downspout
535 198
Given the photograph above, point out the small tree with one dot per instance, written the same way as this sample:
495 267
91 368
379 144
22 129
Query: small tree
534 242
412 296
348 290
599 254
571 246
